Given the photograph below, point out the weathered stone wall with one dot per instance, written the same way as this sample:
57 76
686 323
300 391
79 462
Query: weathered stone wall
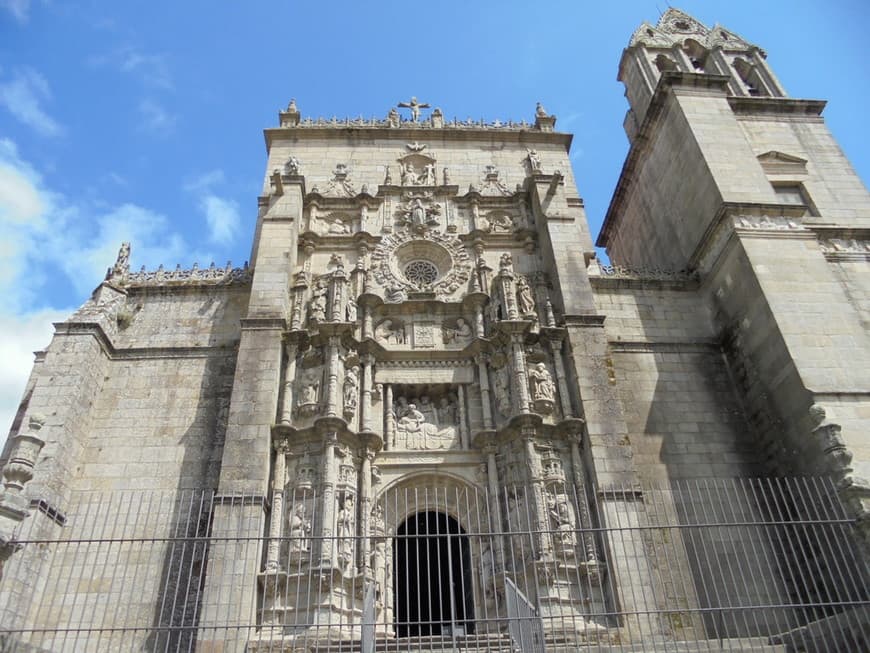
682 411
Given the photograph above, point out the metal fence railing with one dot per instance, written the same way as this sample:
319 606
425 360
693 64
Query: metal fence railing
735 564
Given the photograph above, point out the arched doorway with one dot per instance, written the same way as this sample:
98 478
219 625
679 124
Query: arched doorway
432 576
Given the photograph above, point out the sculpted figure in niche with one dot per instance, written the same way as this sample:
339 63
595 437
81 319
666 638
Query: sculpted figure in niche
317 310
292 166
563 522
501 392
462 332
386 334
525 300
428 176
351 390
345 530
409 175
542 383
351 310
338 226
534 161
422 425
418 212
299 526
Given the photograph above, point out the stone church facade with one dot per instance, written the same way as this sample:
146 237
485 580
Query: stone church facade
425 345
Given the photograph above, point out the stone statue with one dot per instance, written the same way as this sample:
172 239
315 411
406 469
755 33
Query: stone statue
298 528
122 263
338 226
502 394
460 333
540 112
418 212
534 161
415 107
525 300
394 294
351 310
542 383
378 527
317 309
506 262
388 177
563 522
292 166
346 530
393 117
446 177
386 334
291 107
409 175
351 390
309 393
428 178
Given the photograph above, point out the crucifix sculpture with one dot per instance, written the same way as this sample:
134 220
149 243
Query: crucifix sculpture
415 107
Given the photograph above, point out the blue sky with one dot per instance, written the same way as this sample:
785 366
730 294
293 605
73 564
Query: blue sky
143 121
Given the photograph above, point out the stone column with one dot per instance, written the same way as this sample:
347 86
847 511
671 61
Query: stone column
495 523
508 293
463 419
389 421
561 380
484 392
367 326
273 551
538 506
336 307
365 503
289 381
327 516
333 392
367 361
590 548
520 374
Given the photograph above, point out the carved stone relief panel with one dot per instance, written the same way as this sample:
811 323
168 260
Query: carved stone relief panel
427 416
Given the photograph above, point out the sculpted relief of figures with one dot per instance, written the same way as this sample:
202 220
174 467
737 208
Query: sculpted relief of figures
562 522
298 529
525 299
542 388
308 393
350 391
388 334
345 529
460 334
421 424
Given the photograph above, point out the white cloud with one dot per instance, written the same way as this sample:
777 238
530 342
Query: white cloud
23 96
22 335
155 117
45 235
221 214
20 9
222 217
150 69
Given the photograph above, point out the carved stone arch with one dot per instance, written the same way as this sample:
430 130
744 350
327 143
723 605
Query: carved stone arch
447 492
697 53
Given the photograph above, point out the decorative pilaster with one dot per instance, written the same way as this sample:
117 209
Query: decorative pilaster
463 420
289 381
484 392
508 287
365 502
333 394
297 317
520 373
561 380
542 543
389 417
494 508
590 549
367 361
336 308
327 516
273 550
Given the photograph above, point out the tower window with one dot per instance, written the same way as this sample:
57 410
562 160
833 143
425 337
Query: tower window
795 194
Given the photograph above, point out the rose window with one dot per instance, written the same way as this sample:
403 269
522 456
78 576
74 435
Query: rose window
421 273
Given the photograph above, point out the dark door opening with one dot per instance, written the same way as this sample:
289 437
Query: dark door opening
432 576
